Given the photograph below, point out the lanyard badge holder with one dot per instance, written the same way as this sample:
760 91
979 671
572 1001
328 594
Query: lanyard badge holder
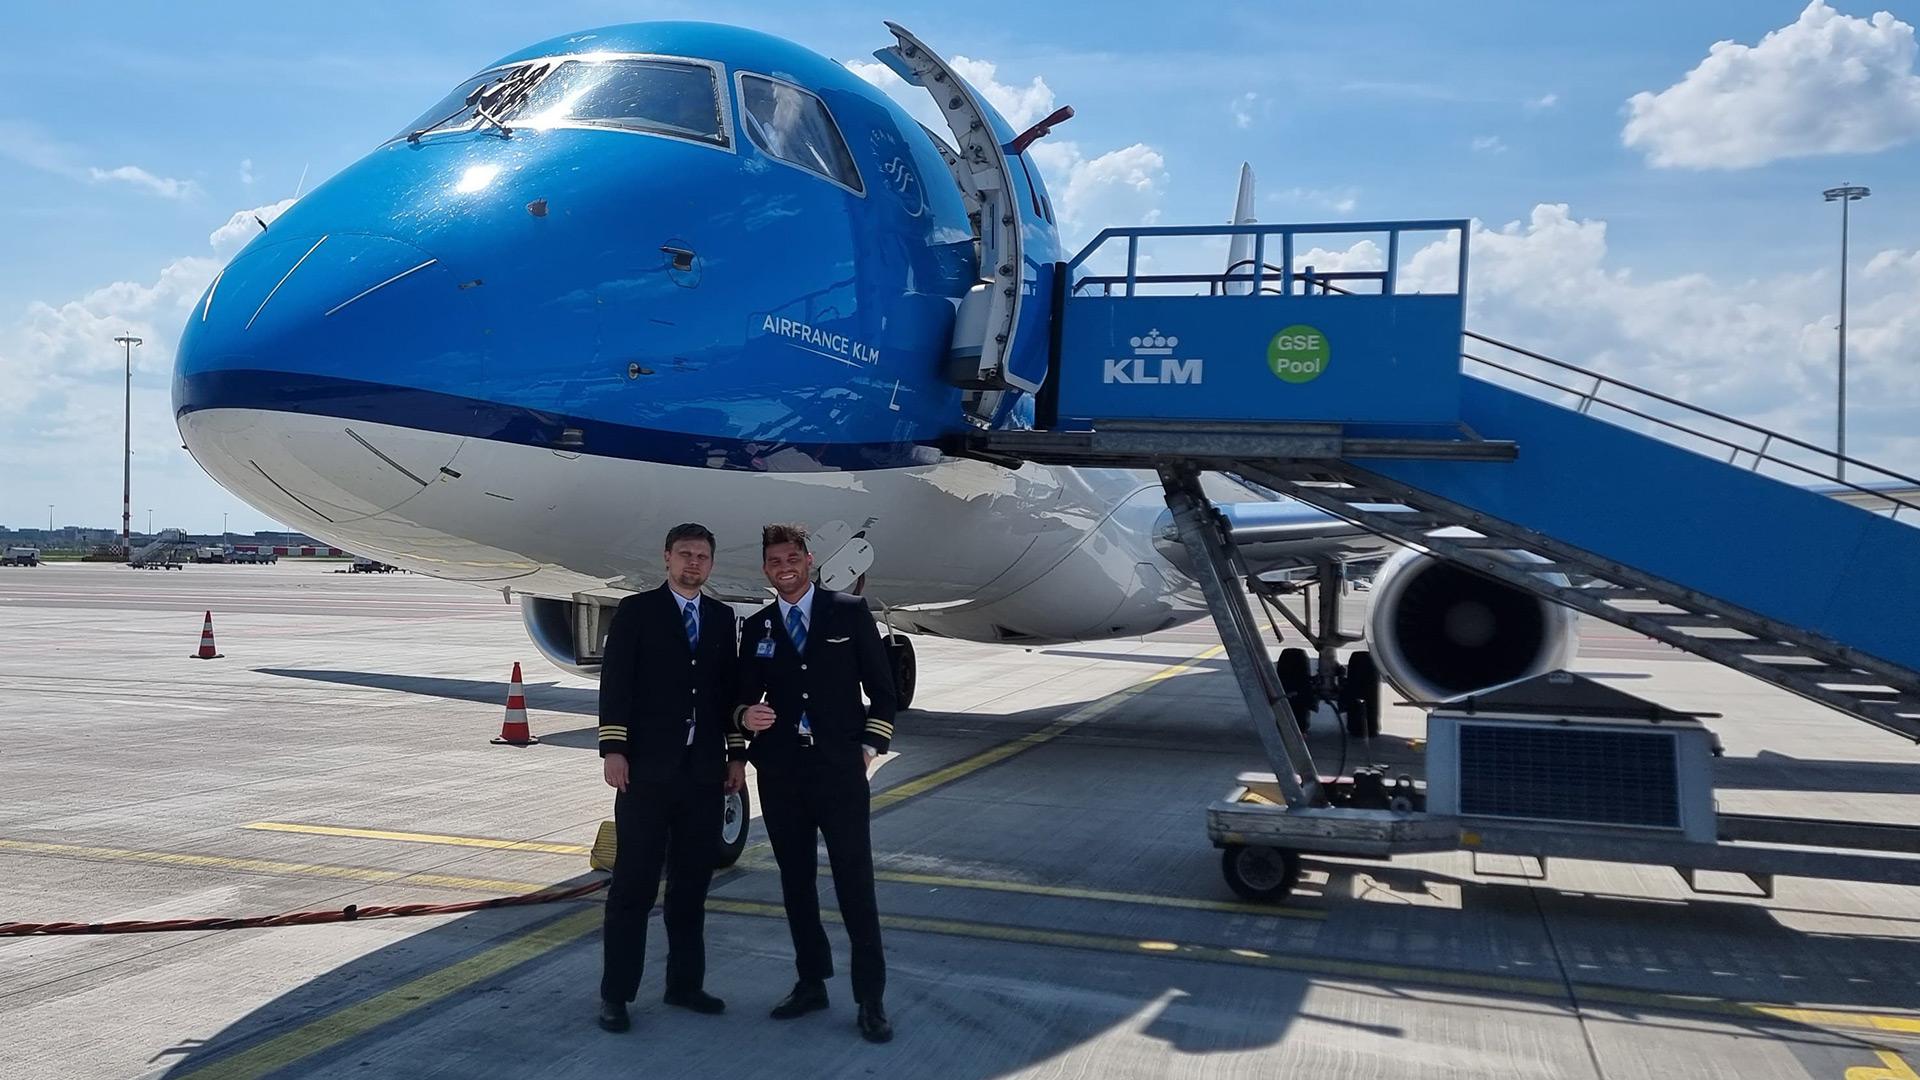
806 731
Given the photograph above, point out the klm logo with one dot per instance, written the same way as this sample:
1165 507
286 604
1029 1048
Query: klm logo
1152 363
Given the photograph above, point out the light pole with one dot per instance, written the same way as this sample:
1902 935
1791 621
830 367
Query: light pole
223 527
1844 194
49 523
126 459
149 521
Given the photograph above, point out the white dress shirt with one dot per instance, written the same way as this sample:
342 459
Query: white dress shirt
806 609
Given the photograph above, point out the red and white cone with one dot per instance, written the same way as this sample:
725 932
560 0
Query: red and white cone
513 729
207 651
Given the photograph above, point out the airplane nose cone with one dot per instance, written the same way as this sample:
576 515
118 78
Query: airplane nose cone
300 308
306 334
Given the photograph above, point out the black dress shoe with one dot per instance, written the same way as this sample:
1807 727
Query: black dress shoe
613 1016
807 996
698 1000
873 1023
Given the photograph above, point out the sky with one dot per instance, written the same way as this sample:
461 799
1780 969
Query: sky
1645 178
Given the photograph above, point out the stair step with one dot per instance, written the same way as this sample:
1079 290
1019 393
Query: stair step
1817 672
1683 620
1619 592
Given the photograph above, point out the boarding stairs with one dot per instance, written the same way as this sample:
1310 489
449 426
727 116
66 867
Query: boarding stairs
1687 526
166 548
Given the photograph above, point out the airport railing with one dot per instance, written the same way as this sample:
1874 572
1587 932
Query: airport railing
1258 275
1739 442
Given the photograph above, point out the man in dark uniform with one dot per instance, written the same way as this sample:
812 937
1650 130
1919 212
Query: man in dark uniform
804 660
670 750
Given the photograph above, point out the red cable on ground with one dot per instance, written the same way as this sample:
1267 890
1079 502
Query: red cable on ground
350 913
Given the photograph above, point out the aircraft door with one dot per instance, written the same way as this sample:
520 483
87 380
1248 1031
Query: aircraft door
1000 341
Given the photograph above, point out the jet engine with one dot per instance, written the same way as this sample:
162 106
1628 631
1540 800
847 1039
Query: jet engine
551 624
1438 629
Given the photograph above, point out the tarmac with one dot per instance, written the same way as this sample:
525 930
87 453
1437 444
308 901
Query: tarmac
1052 907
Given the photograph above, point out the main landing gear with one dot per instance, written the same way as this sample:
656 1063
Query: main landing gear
1353 688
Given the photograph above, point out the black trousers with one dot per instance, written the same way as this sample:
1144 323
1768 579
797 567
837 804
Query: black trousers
826 797
675 824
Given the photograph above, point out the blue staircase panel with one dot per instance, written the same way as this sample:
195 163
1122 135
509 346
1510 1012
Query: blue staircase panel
1793 555
1387 359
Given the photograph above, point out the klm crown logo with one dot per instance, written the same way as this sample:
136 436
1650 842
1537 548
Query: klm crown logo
1152 363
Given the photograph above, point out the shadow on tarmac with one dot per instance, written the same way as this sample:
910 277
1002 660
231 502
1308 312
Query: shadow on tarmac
971 1007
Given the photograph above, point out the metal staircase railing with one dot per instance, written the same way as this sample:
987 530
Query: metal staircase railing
1703 430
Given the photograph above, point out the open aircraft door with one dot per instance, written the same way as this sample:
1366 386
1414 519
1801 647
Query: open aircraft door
1001 334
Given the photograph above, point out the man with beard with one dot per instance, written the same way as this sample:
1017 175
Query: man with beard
670 750
810 654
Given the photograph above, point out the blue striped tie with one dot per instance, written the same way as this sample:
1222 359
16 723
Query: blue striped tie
693 642
797 630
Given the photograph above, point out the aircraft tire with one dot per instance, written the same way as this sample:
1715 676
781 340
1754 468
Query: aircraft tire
1296 681
736 821
1264 875
1360 696
906 669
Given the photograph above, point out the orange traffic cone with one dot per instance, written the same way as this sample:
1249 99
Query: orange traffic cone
513 729
207 651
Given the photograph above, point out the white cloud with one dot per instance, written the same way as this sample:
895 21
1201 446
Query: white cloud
1760 349
1243 108
1825 84
246 171
1090 190
1339 200
1542 103
31 147
163 186
1021 105
64 375
1489 144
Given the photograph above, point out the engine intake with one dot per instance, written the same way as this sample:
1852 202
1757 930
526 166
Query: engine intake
1438 630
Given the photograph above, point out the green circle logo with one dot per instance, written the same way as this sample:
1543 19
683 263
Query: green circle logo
1298 354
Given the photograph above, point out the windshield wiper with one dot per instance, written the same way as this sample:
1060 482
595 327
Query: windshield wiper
497 102
492 101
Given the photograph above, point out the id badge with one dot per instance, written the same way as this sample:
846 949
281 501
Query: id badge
765 649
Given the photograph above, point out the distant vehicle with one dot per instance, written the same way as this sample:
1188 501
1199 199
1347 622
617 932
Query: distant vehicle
21 556
227 553
363 565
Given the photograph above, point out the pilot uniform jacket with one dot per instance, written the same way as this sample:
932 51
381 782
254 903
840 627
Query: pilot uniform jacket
650 683
844 656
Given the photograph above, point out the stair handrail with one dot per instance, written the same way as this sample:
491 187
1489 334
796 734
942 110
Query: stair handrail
1591 396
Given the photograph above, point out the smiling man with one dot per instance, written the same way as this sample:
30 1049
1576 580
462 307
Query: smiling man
804 661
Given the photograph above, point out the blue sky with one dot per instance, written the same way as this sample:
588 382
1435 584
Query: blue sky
1699 257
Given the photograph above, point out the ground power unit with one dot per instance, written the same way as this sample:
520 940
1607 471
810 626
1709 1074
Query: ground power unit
1561 748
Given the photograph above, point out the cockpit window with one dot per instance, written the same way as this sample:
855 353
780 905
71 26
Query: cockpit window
794 126
677 98
655 95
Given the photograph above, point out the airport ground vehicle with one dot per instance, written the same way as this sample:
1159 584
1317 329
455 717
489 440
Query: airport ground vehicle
21 556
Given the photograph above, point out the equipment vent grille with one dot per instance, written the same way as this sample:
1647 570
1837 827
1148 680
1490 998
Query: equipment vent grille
1569 774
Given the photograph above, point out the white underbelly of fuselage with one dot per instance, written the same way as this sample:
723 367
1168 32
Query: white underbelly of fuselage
961 548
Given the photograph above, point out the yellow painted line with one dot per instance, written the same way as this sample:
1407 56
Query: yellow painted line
1902 1025
1033 889
420 838
359 1019
269 866
1550 990
1891 1067
1092 710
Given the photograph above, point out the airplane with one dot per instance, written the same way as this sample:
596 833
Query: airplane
678 271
